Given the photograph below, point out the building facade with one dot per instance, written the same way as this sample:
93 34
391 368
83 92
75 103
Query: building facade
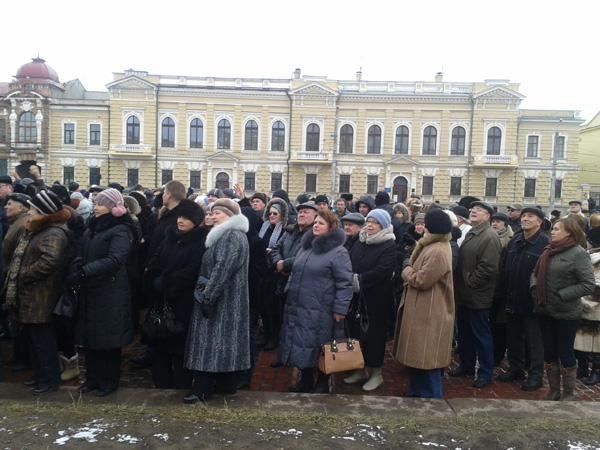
439 139
589 162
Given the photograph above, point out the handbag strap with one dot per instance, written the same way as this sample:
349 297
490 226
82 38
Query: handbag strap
341 331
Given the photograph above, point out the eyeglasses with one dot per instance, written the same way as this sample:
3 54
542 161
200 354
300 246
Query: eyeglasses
273 214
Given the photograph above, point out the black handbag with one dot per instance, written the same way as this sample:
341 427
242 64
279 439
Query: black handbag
66 306
161 324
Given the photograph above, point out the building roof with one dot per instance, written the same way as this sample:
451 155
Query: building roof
37 69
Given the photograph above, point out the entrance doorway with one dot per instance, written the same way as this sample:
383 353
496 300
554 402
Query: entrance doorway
400 191
222 181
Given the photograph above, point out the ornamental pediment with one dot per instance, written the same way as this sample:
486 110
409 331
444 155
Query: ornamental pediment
131 82
500 93
316 90
402 160
222 156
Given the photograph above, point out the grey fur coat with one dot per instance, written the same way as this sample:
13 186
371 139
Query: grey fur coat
221 341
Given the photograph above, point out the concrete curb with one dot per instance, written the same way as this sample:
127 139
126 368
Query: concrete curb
353 405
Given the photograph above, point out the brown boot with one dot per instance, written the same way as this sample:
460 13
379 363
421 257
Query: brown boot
569 375
553 373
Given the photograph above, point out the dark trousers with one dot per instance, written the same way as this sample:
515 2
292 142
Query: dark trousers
425 383
44 353
525 343
207 383
475 341
500 342
66 341
378 312
21 348
245 376
559 339
103 367
168 371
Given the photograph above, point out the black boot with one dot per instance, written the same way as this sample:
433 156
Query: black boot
594 377
322 386
583 361
306 382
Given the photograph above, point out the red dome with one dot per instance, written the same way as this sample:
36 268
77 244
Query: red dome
37 69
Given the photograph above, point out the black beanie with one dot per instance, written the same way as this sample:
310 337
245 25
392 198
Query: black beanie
190 210
438 222
382 198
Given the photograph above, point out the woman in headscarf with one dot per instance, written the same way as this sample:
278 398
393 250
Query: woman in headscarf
562 276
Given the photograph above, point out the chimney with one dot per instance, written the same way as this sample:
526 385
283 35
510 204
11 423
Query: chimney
439 77
359 75
297 73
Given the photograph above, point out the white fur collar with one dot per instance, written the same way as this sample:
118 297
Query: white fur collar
237 222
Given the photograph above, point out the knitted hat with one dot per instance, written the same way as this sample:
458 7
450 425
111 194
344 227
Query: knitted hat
260 196
438 222
23 199
46 202
132 205
113 200
191 211
227 206
356 218
381 216
382 198
420 218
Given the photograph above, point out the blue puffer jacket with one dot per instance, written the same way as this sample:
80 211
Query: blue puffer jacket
319 286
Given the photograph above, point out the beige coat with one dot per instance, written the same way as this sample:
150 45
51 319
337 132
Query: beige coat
424 338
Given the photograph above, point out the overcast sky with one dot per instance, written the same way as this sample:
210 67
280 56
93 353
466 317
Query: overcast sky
550 47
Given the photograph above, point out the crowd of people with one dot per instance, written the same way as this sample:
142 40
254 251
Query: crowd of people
209 281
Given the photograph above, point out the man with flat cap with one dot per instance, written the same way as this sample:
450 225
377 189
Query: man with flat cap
352 223
524 335
514 216
575 209
479 257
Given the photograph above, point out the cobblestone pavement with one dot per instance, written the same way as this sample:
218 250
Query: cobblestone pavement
279 379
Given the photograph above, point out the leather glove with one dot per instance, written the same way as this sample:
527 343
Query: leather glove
356 283
74 278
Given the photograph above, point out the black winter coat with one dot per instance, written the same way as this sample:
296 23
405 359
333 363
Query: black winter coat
512 288
104 316
167 219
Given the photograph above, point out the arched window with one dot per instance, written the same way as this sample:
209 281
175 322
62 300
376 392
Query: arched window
457 144
222 181
429 140
27 127
494 141
224 134
251 136
401 145
133 130
374 139
346 139
312 137
196 133
278 137
168 133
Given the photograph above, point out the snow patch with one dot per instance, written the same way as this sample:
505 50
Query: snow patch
163 436
126 438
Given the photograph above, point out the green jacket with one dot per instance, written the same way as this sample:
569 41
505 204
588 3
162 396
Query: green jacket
479 260
569 277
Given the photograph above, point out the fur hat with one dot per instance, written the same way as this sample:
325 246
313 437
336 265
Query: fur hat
141 198
62 193
260 196
381 216
132 205
438 222
46 202
227 206
405 213
191 211
113 200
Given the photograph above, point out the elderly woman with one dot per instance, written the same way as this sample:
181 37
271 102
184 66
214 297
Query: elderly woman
218 343
275 220
424 339
319 291
33 285
562 276
373 261
104 324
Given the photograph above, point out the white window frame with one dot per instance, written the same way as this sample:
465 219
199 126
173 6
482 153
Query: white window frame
140 118
381 144
90 123
188 127
466 128
502 127
231 134
437 138
272 121
339 137
539 149
566 146
62 137
161 119
321 124
258 142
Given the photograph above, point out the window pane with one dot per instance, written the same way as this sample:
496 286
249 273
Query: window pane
457 146
557 188
95 176
455 185
2 130
372 184
429 141
249 181
312 138
168 133
532 146
401 146
251 136
311 182
195 179
68 175
427 186
224 135
27 127
133 131
490 187
344 187
166 176
374 140
494 141
346 139
278 137
276 181
196 134
529 188
69 133
560 147
132 177
95 134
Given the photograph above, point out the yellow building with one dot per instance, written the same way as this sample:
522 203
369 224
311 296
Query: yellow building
440 139
589 158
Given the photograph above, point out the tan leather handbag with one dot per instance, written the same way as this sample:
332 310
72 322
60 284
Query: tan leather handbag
341 356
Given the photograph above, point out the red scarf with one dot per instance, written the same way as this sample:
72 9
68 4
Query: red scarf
554 248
